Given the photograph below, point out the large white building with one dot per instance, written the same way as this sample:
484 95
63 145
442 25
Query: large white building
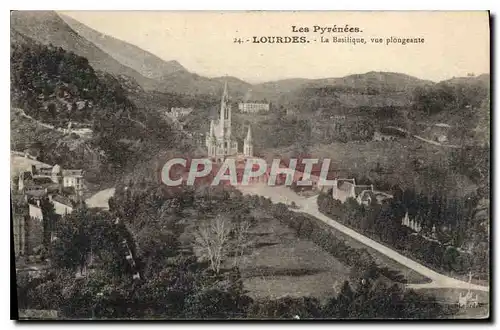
219 142
253 107
180 112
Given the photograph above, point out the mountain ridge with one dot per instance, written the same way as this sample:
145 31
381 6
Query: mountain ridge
120 58
144 62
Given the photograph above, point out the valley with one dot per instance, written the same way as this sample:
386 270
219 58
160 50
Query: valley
88 103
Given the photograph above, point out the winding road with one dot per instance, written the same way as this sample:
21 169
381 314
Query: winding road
309 205
281 194
423 139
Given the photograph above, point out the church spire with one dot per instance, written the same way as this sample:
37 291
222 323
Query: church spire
249 135
225 96
247 144
223 102
212 132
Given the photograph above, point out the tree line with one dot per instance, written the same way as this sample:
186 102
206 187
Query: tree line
452 239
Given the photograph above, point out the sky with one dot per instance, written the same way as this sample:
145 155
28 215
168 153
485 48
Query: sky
455 43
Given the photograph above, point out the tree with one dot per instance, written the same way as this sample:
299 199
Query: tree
451 259
344 300
213 238
241 233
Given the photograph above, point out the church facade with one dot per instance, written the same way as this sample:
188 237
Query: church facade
219 141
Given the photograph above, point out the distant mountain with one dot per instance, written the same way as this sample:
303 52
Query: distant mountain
46 27
117 57
140 70
184 82
372 89
145 63
483 79
370 82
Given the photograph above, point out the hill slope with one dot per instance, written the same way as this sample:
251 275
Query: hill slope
117 57
145 63
46 27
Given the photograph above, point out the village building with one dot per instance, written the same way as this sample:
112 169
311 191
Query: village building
74 179
247 107
62 204
343 189
346 188
43 180
377 136
437 132
178 112
442 138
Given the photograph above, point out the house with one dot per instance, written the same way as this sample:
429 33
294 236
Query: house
377 136
346 188
366 197
35 211
442 138
73 178
62 205
438 132
34 192
363 194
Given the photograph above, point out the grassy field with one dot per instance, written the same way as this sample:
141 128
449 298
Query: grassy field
281 264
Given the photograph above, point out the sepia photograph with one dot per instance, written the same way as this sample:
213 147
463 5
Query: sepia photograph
250 165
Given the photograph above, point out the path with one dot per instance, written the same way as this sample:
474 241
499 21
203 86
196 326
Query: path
309 205
23 114
100 199
423 139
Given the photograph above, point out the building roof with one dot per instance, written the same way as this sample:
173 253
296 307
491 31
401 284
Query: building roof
56 169
37 193
63 200
19 163
42 180
72 172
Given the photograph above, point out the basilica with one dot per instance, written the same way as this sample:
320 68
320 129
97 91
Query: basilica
219 142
